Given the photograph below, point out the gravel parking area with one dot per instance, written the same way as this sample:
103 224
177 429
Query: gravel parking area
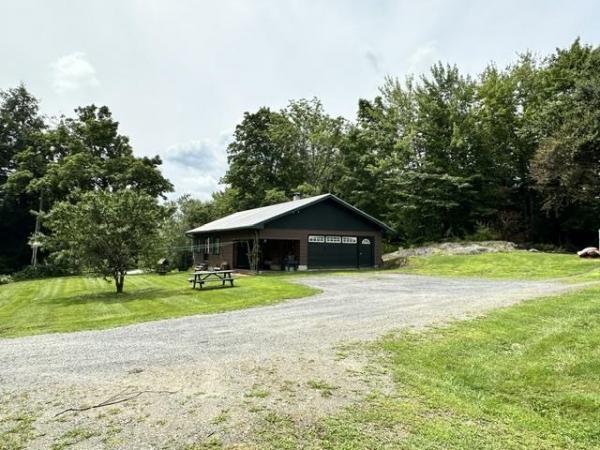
225 372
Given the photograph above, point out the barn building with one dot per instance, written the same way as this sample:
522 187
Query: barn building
307 233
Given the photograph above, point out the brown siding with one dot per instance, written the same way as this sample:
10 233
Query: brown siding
227 239
302 236
226 253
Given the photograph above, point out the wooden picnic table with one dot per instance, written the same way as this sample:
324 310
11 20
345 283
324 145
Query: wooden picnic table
204 276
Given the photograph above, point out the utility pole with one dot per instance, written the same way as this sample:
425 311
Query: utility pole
35 244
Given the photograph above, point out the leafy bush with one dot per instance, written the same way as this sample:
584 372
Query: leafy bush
5 279
41 271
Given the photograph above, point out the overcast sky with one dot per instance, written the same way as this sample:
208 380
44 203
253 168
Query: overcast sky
178 75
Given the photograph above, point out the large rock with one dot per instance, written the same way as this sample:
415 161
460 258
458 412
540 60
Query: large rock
589 252
400 257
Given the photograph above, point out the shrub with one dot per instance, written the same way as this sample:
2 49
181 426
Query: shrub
5 279
41 271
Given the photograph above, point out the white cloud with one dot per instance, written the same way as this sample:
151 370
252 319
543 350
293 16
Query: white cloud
196 167
72 72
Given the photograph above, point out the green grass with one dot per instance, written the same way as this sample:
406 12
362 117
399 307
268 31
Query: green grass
527 376
85 303
516 265
326 389
16 430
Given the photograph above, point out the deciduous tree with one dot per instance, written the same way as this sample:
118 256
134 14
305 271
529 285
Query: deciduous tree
108 232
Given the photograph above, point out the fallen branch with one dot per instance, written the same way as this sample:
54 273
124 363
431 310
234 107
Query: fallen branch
115 399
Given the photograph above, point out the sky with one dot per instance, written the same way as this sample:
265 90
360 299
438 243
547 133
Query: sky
179 75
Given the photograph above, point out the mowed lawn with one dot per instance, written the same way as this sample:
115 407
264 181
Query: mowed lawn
84 303
515 265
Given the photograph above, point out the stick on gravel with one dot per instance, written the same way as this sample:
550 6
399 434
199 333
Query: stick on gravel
114 400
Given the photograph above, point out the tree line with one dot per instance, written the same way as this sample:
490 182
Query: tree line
511 153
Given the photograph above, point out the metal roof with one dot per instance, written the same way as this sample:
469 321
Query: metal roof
257 217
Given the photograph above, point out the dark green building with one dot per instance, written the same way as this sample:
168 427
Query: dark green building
310 233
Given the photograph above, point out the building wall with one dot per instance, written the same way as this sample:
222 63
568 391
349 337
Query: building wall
228 238
226 247
302 236
325 215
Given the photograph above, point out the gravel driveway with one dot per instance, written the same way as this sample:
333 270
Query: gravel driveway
224 356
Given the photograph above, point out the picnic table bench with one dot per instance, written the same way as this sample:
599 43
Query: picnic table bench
199 277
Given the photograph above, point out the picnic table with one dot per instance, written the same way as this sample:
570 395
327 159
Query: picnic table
204 276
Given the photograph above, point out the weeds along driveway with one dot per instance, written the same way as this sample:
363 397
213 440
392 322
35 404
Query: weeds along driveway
351 307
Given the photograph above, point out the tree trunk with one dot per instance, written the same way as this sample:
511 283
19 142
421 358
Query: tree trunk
119 281
253 247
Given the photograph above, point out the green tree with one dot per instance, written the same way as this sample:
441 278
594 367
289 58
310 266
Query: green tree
296 149
21 129
92 154
417 158
311 141
20 121
108 232
567 162
256 163
377 148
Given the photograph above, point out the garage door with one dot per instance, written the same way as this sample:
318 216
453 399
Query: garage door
330 251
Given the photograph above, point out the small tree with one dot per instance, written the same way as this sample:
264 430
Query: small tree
107 231
253 252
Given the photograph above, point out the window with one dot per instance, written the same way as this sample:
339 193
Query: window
216 246
333 239
349 240
319 239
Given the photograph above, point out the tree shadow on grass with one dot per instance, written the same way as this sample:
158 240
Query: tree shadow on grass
114 298
147 294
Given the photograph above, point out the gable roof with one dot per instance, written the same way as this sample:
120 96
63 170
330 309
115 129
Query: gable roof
257 217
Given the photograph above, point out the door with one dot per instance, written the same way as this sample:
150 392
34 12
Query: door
365 251
241 256
331 251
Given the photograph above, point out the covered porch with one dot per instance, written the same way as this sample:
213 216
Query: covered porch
273 254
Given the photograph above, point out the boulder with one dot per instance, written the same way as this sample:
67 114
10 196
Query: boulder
399 258
589 252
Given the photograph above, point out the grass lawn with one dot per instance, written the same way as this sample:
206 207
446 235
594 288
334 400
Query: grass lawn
84 303
516 265
526 376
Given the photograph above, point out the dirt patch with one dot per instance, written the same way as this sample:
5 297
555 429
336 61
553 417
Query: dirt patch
193 405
